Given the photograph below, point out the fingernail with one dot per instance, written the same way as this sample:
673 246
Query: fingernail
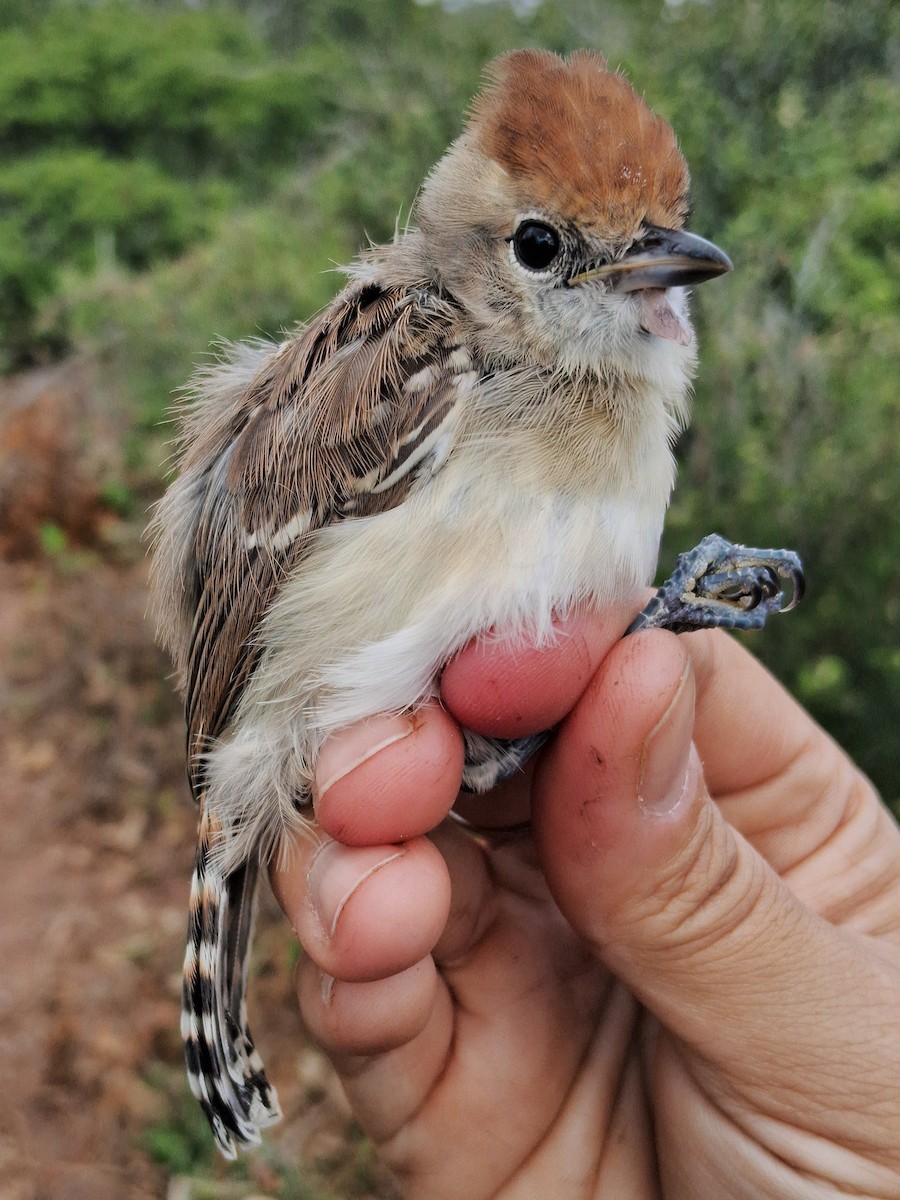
335 874
348 749
669 762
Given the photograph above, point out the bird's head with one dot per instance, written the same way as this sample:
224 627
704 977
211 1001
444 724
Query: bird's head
557 219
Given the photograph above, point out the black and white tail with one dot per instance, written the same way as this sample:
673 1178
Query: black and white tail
224 1070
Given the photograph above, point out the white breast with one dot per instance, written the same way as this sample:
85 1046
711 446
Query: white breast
380 604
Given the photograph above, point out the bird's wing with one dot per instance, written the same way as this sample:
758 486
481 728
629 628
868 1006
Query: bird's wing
339 422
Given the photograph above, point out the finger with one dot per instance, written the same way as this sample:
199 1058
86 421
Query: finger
351 1021
368 913
388 778
389 1038
682 909
388 1041
364 913
505 808
511 1013
753 729
510 689
790 789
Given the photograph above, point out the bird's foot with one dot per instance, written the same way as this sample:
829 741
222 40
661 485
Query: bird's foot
716 585
721 585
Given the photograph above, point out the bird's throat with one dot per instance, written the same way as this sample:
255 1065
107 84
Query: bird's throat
660 317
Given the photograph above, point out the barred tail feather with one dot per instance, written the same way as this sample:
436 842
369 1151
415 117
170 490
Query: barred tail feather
224 1070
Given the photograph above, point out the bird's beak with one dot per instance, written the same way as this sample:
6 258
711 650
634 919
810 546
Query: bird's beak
662 258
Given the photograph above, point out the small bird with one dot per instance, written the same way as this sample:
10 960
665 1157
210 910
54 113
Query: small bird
477 432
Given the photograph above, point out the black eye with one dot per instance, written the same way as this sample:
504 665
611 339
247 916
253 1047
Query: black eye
536 245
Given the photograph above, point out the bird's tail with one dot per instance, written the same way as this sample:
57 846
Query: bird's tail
224 1070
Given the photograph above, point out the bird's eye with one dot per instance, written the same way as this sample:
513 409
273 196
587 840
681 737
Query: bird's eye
536 245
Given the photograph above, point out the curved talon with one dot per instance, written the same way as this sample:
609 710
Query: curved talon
773 583
758 592
798 583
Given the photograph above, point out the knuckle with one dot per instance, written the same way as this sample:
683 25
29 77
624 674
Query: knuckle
704 895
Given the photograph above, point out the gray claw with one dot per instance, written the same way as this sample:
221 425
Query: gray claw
719 584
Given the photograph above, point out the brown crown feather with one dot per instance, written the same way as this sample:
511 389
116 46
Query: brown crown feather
579 141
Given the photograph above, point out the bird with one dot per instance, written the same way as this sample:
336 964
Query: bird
476 433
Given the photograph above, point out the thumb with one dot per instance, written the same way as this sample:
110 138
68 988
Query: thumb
670 897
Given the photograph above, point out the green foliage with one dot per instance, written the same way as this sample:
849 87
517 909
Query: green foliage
176 173
796 437
180 1143
268 264
125 132
53 539
66 198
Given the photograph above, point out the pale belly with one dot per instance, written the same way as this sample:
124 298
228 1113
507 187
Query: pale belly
380 604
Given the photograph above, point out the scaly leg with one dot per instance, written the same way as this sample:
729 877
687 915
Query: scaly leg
719 585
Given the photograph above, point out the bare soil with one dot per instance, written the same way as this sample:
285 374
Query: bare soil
96 841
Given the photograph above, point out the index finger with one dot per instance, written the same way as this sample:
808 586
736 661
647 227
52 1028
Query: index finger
512 688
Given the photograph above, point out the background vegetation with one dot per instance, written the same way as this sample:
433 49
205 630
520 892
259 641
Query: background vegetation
176 172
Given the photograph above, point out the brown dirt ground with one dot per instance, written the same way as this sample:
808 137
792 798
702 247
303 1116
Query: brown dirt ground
95 856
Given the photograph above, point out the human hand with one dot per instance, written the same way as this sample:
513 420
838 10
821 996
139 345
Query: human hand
656 994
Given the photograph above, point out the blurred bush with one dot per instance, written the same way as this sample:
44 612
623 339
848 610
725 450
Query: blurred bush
790 117
126 131
175 173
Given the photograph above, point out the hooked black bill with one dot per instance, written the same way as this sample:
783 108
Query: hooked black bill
662 258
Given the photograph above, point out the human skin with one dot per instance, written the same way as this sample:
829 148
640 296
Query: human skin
685 982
